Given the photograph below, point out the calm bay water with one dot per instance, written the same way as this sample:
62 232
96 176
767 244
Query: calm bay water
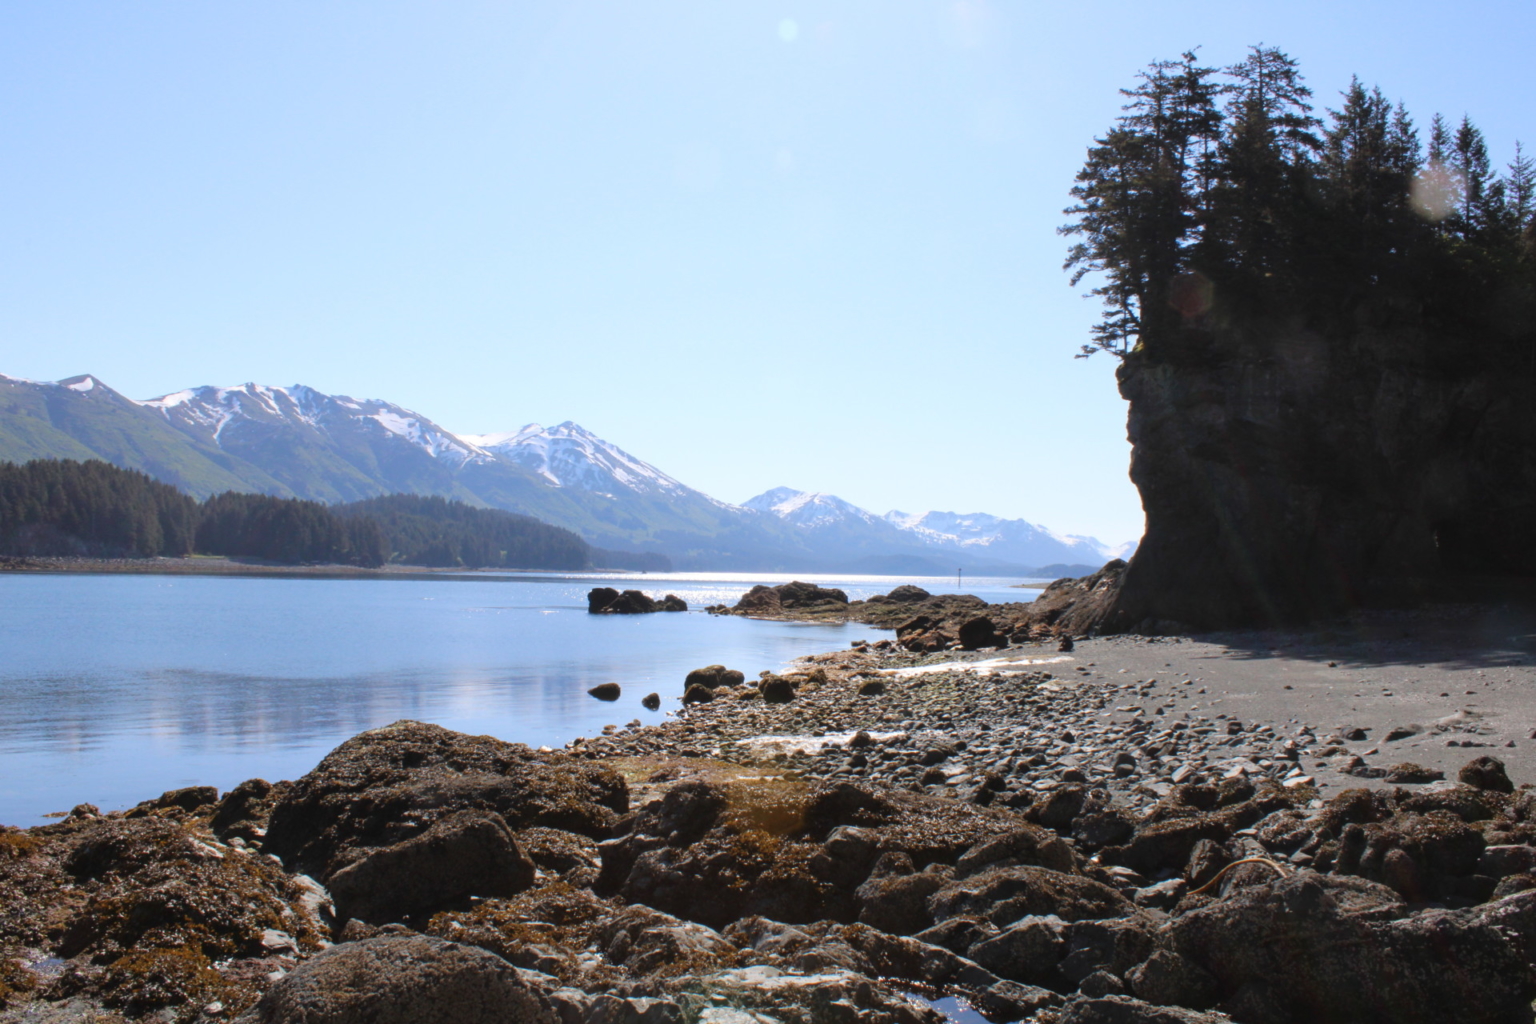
117 688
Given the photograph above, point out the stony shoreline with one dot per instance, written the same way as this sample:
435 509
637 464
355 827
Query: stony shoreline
1139 829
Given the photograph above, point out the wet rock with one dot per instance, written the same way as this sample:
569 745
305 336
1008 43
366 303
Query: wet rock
167 980
871 688
606 691
1287 952
647 942
404 980
1166 845
1010 1000
1028 951
1499 861
387 785
777 690
1408 774
958 934
672 603
979 632
1115 945
1125 1010
829 997
154 883
1205 862
907 594
651 701
1059 808
1167 979
1486 773
469 853
898 904
244 810
599 598
1004 895
191 800
697 694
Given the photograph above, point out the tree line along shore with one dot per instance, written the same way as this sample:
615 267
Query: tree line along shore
64 514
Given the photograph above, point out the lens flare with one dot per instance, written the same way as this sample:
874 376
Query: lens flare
1436 192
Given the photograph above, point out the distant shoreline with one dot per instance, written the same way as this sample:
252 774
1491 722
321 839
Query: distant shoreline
213 565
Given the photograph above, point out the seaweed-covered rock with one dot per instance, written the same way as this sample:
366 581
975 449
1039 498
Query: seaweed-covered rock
1005 895
154 883
1486 773
717 851
468 853
385 786
1289 951
405 980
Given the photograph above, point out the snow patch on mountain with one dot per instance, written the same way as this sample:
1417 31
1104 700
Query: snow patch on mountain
217 409
569 455
808 508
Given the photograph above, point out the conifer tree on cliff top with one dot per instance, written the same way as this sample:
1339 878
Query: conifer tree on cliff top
1218 198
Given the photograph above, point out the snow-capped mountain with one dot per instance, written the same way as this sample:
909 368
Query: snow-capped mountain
569 455
299 442
808 509
1007 540
983 537
224 415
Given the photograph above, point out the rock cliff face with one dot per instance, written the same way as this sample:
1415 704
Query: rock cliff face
1287 475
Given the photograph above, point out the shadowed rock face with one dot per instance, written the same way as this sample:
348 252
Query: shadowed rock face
1287 476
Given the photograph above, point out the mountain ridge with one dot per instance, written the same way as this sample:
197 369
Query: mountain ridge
296 441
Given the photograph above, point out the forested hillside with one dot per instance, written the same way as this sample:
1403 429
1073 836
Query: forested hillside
420 530
62 507
50 507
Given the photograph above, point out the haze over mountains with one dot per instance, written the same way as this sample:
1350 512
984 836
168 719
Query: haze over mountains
298 442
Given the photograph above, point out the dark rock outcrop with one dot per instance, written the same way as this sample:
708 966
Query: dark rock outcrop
1288 475
606 691
388 785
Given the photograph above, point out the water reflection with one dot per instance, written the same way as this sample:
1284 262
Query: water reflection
119 687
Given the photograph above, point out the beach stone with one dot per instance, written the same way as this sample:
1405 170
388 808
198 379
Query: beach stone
1486 773
651 701
697 694
1408 774
404 980
469 853
605 691
871 688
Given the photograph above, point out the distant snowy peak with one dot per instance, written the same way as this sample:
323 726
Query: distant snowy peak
569 455
213 411
977 530
808 508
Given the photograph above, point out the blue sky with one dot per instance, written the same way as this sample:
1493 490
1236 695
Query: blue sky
757 244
